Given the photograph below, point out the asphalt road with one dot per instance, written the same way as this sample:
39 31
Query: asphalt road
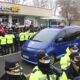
27 67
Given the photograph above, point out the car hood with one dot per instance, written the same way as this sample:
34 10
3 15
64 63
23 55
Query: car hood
36 44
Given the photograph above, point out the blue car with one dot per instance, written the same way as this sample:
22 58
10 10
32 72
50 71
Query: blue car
52 41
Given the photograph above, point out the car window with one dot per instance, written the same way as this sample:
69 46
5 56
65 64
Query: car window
77 35
62 35
72 33
46 35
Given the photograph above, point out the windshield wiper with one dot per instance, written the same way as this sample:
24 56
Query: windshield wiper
37 40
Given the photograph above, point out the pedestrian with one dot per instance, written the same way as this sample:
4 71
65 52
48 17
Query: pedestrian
43 70
13 71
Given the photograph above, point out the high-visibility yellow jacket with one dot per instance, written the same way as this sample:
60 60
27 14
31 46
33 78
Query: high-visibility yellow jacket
31 34
26 35
63 77
65 62
9 38
68 52
3 40
38 75
21 36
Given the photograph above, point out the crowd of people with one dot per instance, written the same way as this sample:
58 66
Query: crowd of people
11 39
44 70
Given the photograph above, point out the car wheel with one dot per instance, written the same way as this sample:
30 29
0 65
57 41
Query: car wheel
52 57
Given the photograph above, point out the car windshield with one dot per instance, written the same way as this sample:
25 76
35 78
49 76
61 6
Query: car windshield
46 35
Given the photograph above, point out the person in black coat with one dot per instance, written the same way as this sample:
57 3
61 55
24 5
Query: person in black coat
13 71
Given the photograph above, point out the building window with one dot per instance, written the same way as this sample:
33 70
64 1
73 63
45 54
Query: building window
18 19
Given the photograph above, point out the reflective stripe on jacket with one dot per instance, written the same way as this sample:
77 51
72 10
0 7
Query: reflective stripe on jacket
10 38
3 40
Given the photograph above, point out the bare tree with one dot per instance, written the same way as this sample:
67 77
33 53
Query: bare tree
69 9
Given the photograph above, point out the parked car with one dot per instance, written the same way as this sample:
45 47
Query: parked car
53 41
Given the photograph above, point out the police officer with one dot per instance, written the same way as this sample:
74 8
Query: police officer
44 71
31 32
3 44
76 67
26 35
16 42
13 71
21 37
67 59
10 39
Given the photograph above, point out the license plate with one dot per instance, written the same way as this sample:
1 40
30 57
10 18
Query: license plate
26 56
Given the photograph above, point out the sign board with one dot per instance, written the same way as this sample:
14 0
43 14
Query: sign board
27 23
13 8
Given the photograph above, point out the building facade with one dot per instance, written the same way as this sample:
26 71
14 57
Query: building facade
18 13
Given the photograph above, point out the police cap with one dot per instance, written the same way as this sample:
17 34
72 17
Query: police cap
73 46
43 57
10 63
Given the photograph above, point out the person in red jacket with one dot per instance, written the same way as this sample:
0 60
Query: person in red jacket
2 30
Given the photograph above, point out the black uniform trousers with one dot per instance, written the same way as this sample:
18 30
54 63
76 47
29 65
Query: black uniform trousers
10 48
4 49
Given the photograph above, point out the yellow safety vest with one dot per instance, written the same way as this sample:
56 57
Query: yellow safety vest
0 39
3 40
63 77
68 52
9 38
65 62
21 36
26 35
31 34
38 75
